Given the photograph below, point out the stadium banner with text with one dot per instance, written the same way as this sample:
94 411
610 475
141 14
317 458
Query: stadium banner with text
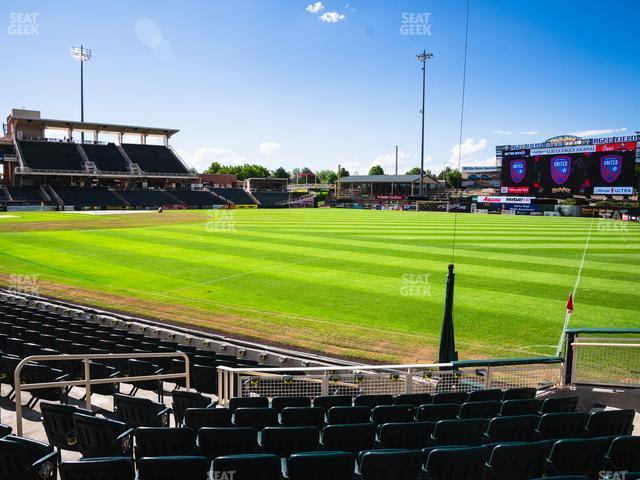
587 167
503 199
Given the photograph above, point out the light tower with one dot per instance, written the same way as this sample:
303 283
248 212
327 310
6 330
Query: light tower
84 55
422 58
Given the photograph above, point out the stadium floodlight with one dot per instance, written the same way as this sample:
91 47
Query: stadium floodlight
422 58
83 55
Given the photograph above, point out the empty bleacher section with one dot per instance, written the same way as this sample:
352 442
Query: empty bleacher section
31 195
154 158
197 198
88 197
107 158
51 156
277 199
146 198
235 195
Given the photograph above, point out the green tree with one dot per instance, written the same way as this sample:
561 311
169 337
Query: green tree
281 173
376 170
343 172
451 177
416 171
214 168
327 176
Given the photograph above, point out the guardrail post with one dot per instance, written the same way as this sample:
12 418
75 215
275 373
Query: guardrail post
16 383
324 388
87 385
487 379
408 383
569 359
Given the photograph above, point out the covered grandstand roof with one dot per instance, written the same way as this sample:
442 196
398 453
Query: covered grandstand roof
32 118
386 179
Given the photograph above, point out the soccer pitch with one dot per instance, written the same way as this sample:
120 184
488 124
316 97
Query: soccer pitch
362 284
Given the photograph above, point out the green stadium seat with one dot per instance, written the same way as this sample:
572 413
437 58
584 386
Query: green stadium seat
485 409
282 402
218 442
102 437
257 418
183 400
434 413
302 417
58 425
610 423
520 407
450 397
460 432
415 399
248 402
372 401
197 418
577 457
491 394
392 413
140 412
516 461
24 459
459 463
519 428
328 465
355 414
328 401
164 441
524 393
556 426
172 468
117 468
410 435
389 464
284 441
559 405
623 454
349 438
248 467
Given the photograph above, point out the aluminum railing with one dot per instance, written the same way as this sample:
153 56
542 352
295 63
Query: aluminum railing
87 381
384 379
608 363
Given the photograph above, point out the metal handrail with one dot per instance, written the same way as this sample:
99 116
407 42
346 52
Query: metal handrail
87 381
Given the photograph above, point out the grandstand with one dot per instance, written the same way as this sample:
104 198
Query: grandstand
155 159
51 156
107 158
89 197
236 196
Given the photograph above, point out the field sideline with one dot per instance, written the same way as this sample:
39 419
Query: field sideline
363 284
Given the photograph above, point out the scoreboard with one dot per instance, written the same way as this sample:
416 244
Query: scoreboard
565 166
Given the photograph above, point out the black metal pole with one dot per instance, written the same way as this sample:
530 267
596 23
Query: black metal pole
81 90
424 69
447 335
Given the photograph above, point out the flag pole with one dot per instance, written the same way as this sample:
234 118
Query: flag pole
566 324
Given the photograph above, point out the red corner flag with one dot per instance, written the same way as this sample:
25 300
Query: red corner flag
570 303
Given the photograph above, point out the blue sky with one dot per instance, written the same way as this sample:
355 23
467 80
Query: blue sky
277 83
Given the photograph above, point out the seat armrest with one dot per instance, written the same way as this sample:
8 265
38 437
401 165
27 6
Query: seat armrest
124 441
46 467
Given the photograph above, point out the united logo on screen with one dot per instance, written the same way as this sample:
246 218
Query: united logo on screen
518 169
560 169
610 167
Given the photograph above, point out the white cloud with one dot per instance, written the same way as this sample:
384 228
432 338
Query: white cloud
388 162
591 133
269 148
201 158
468 153
527 132
314 7
332 17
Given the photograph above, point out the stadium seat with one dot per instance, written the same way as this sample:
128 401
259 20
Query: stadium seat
450 397
172 468
524 393
205 379
518 428
248 467
140 412
117 468
248 402
373 400
217 442
183 400
328 465
278 403
434 413
44 374
491 394
484 409
623 454
389 464
609 423
459 432
516 461
283 441
559 405
164 441
139 368
459 463
349 438
520 407
356 414
101 437
24 459
329 401
392 413
302 417
415 399
197 418
555 426
58 425
257 418
413 435
5 430
100 370
577 457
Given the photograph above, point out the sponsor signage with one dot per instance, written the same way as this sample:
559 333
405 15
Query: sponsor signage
588 141
613 190
613 147
567 149
515 190
518 170
503 199
390 197
480 169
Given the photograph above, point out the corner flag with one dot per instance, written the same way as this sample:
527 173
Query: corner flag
566 323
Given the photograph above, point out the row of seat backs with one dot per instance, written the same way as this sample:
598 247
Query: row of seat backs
512 461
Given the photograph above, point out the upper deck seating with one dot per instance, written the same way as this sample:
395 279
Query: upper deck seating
154 158
51 155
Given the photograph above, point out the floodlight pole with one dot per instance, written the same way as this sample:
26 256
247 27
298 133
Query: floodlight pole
82 54
422 58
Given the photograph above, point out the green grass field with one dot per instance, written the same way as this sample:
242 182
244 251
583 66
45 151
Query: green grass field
364 284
